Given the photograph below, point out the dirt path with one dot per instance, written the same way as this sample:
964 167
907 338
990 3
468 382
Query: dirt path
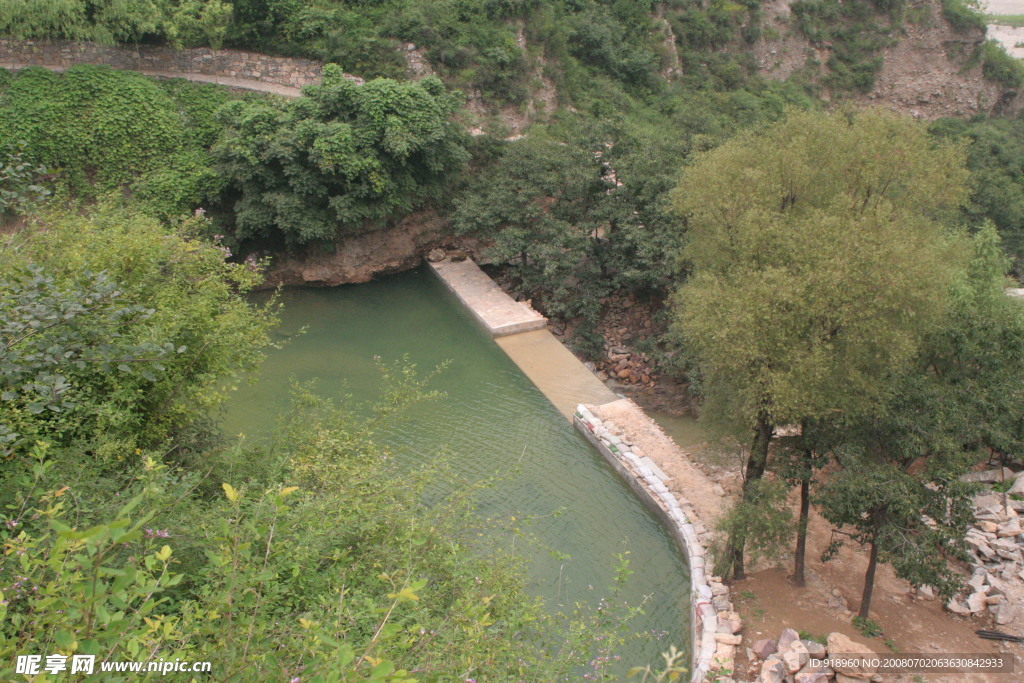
769 602
242 83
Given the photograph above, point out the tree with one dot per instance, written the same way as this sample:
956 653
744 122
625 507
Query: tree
819 258
578 211
956 404
340 159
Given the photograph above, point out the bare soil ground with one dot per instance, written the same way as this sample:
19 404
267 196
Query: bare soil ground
769 602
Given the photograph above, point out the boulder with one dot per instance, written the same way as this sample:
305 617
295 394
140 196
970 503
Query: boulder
975 602
844 678
763 648
925 593
788 637
1010 529
957 607
988 476
1006 613
728 639
841 645
978 579
795 658
988 527
435 255
814 648
773 671
1018 484
997 587
730 620
982 549
812 675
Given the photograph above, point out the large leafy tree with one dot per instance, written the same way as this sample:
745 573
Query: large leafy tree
819 260
898 489
341 159
577 209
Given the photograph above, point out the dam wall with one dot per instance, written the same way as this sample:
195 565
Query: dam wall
521 332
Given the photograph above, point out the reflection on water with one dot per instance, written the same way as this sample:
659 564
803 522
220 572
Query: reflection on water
683 429
492 420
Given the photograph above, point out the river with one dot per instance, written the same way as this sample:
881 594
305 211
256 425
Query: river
493 421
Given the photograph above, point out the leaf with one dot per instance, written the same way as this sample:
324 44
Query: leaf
230 492
405 594
164 554
288 490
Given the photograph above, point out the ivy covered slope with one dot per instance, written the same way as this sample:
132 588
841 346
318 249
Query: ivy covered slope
95 130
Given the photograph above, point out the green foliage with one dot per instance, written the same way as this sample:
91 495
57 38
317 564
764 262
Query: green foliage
20 191
1000 66
118 327
915 520
857 31
867 627
179 22
995 157
963 15
802 290
279 570
899 486
809 329
761 520
97 129
1015 20
342 159
815 637
578 212
671 670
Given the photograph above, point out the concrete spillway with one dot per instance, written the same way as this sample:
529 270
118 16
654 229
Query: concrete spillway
579 395
522 334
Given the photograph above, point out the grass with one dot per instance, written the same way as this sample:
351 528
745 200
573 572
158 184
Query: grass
1015 20
867 627
807 635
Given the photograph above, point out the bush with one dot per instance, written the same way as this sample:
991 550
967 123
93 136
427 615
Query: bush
119 327
999 66
962 16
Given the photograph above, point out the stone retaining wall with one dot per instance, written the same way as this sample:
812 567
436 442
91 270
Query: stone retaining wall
714 623
225 63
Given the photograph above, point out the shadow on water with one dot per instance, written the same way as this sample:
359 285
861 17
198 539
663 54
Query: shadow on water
491 420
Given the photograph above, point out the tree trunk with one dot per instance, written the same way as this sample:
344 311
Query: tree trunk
801 526
756 465
869 581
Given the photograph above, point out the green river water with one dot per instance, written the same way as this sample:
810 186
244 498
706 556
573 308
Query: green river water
492 418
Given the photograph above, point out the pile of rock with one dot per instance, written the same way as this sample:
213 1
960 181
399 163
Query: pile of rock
996 540
624 321
791 659
626 367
